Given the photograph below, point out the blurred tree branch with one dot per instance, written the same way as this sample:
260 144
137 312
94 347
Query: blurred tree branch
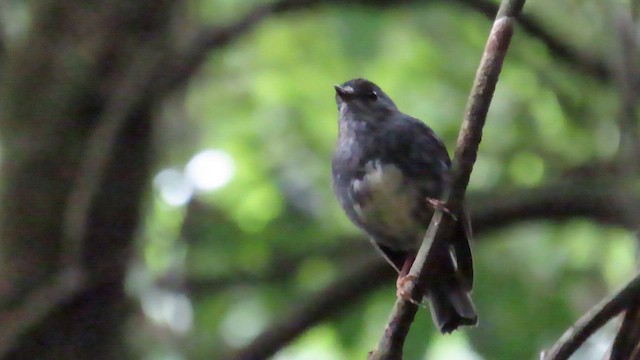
279 270
351 288
593 320
187 59
594 199
65 248
184 61
625 345
599 201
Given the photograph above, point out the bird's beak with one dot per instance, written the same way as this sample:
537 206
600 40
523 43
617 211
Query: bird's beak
344 92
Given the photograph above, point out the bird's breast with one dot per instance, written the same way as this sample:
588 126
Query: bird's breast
386 203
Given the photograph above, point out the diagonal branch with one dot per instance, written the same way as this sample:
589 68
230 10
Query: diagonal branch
209 38
594 319
625 343
391 344
336 298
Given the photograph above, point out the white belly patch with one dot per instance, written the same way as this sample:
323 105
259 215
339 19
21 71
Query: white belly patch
388 204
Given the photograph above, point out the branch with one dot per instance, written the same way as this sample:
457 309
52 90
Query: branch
602 201
336 298
586 63
133 91
208 39
595 318
626 341
391 344
553 202
188 60
279 270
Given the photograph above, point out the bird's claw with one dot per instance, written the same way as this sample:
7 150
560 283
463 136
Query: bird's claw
437 204
402 291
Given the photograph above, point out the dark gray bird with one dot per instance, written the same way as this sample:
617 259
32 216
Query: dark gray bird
388 168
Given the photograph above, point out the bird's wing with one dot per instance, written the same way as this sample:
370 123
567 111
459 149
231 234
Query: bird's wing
422 156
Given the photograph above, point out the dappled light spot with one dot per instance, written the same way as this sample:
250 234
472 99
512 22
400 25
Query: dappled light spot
173 186
244 320
210 170
169 309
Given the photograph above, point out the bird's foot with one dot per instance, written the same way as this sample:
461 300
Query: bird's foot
403 288
437 204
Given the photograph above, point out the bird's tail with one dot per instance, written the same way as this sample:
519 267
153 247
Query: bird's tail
451 307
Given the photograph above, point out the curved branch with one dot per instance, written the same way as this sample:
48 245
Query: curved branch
208 39
626 341
593 320
185 62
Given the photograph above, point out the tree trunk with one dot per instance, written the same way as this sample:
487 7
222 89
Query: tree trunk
76 142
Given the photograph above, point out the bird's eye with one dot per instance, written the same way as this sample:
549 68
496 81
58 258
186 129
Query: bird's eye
373 96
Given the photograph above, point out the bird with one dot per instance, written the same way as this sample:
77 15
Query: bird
388 171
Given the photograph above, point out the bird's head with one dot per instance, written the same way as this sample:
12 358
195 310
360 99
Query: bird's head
363 99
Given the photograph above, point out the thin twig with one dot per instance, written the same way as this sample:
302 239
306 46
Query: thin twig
391 343
594 319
